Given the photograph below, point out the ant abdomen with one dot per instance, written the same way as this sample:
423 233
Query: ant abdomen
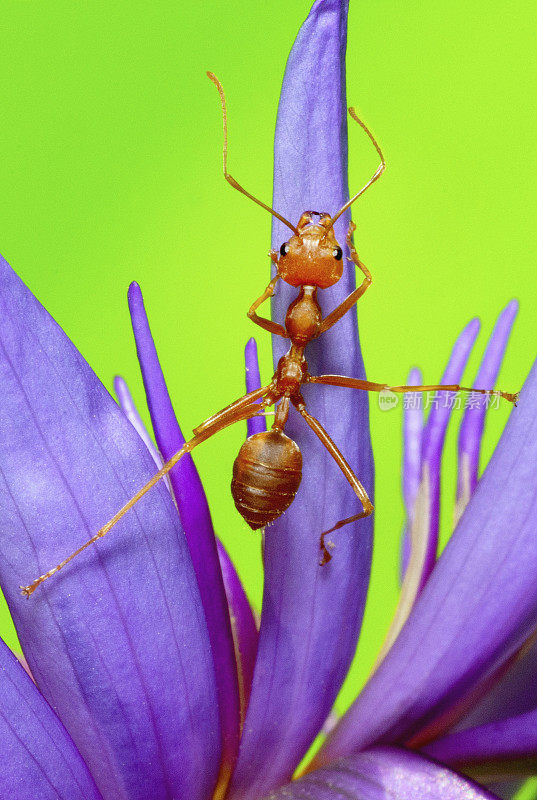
266 477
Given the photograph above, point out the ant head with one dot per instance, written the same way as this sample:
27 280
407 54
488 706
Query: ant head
312 257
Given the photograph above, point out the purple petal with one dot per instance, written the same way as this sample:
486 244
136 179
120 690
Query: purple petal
245 633
253 382
311 615
412 436
131 412
471 430
420 541
485 747
117 642
514 694
477 609
383 774
434 435
243 624
197 524
39 758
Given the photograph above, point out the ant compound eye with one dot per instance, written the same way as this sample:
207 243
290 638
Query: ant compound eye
337 252
284 249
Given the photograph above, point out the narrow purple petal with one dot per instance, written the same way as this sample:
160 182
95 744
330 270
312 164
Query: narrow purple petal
471 430
434 435
476 611
117 642
131 412
197 524
39 758
485 747
243 624
383 774
311 615
245 633
412 436
253 382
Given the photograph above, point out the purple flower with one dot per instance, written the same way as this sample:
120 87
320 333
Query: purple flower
151 679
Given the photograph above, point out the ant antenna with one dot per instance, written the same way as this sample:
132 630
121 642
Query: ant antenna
229 178
380 169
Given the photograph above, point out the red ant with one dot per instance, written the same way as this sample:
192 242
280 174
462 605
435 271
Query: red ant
268 468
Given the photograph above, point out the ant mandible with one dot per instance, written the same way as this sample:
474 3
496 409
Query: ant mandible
268 468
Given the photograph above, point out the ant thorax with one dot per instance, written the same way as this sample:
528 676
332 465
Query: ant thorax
313 256
304 317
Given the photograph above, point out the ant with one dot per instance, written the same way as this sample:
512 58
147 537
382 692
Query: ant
268 469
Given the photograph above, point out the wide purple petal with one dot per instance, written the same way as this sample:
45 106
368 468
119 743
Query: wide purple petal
255 424
434 435
485 747
197 524
383 774
477 609
311 615
473 422
39 758
117 642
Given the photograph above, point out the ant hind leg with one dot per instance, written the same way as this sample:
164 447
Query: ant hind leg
369 386
241 409
357 487
326 555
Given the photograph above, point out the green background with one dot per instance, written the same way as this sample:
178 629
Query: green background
110 170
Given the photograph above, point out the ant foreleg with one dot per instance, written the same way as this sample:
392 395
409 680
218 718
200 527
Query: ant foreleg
368 386
267 324
357 487
354 296
233 413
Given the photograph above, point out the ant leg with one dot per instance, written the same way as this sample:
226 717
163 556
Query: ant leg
247 400
267 324
349 301
368 386
357 487
234 413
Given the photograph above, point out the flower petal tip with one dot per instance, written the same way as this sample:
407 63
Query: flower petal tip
134 291
473 326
